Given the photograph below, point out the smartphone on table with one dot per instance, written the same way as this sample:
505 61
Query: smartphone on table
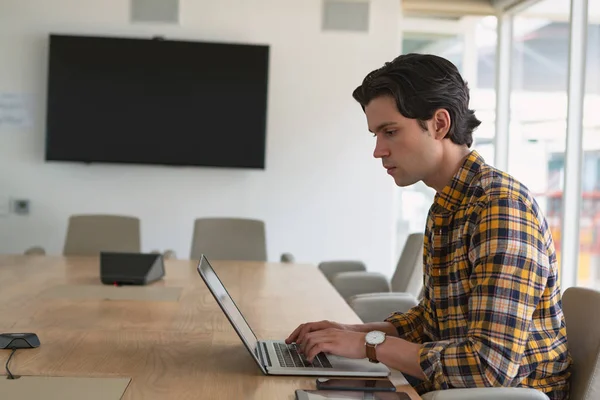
367 385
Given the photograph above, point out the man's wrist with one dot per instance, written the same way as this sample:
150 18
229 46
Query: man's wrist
401 355
354 327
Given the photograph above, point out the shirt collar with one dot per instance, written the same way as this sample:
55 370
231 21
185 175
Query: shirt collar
453 194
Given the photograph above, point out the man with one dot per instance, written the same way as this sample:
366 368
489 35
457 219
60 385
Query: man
491 310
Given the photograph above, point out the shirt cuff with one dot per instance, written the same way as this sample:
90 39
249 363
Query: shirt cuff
430 361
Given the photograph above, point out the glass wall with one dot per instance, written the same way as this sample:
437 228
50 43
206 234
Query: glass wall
538 126
483 93
537 130
588 273
442 44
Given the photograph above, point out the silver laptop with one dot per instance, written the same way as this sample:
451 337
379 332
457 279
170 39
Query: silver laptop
275 357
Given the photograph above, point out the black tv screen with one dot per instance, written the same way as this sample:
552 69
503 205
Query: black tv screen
154 101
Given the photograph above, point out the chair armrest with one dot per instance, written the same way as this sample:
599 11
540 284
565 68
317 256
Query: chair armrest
331 268
384 294
376 307
350 284
287 258
35 251
486 393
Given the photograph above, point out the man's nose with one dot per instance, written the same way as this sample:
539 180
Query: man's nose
381 150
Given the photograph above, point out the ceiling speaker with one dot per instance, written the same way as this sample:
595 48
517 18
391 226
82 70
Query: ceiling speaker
164 11
346 15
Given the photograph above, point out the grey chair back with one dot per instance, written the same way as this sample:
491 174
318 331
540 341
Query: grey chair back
583 336
331 268
408 276
92 234
229 239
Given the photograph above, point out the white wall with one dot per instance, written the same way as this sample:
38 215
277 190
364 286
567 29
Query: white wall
322 195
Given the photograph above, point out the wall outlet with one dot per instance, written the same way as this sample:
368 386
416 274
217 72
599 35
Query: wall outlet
21 206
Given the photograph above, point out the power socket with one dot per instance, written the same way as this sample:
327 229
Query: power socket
21 206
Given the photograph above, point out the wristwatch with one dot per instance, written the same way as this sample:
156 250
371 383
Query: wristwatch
373 339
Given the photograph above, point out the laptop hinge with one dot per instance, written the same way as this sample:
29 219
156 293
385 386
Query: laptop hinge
263 354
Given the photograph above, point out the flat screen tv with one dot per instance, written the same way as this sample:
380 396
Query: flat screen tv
156 101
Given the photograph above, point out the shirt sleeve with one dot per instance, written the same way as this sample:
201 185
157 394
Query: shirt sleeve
510 268
409 325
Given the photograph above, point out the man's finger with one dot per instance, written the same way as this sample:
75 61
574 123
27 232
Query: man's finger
294 335
321 347
314 338
311 327
300 332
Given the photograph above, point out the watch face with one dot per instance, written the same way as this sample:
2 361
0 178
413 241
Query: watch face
375 337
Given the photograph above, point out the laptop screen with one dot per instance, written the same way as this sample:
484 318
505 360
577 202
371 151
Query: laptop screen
229 307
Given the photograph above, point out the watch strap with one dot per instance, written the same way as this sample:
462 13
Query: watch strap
371 352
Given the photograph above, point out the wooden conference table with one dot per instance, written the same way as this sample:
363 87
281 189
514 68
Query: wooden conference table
178 349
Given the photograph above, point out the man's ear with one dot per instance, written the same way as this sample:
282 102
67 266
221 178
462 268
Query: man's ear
440 123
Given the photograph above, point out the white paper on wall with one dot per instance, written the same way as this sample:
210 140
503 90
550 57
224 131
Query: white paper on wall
15 111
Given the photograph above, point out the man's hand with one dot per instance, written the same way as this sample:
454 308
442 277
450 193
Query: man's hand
339 342
300 332
349 341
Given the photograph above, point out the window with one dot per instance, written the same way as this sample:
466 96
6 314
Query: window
588 273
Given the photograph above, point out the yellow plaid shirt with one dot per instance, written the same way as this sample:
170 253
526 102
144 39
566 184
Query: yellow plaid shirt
491 310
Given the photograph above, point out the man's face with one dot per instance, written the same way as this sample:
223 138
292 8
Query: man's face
407 152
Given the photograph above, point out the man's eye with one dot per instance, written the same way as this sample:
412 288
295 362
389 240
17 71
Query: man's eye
390 133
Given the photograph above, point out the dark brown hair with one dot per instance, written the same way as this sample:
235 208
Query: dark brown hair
422 84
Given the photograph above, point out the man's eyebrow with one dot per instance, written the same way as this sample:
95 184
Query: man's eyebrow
381 126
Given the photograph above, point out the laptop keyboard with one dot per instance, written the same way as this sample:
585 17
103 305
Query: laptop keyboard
289 356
